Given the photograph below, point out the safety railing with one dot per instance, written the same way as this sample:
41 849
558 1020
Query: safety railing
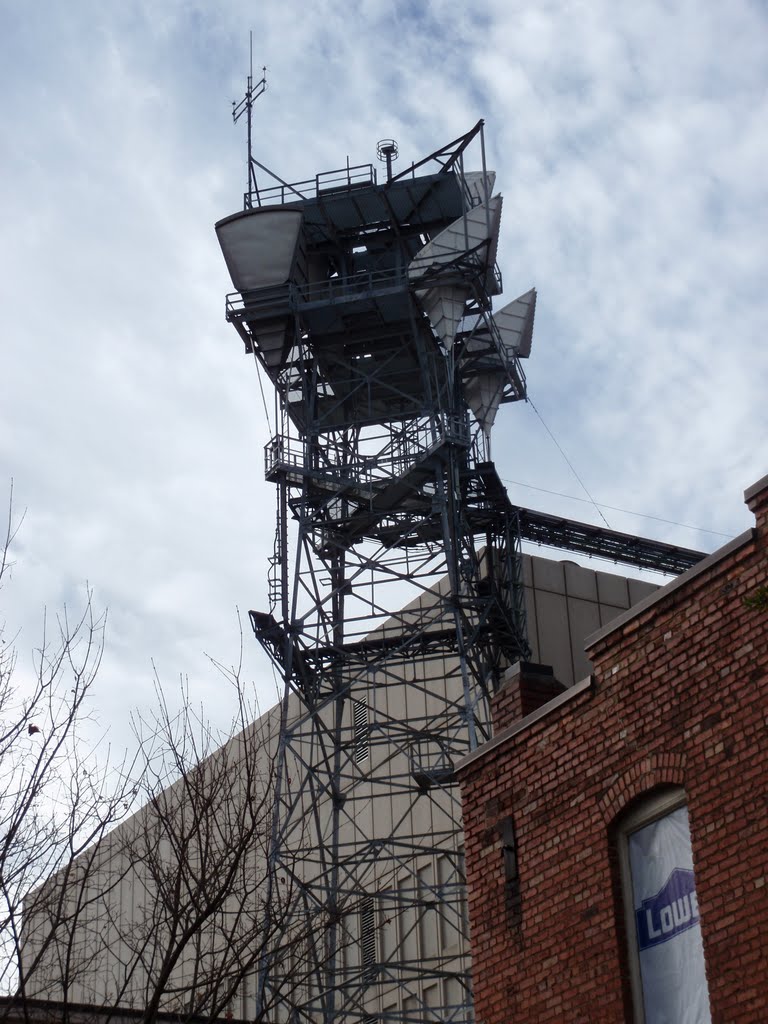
343 179
283 454
337 289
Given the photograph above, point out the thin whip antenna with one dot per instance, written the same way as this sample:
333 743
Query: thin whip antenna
245 106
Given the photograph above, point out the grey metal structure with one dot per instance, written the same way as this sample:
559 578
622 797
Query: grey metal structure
395 590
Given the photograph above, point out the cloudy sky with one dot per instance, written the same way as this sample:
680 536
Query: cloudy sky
630 145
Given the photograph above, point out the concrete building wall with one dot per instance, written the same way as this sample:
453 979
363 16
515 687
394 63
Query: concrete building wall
678 703
565 602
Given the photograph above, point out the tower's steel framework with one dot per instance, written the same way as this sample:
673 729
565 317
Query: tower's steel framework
395 591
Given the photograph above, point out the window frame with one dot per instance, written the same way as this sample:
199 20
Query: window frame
649 808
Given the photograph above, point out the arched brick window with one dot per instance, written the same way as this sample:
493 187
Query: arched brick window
665 954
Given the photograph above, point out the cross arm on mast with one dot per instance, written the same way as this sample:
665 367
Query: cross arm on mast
245 106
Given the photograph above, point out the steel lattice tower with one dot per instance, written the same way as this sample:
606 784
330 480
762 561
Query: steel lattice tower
396 599
395 593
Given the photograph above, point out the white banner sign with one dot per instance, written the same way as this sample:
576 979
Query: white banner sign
667 922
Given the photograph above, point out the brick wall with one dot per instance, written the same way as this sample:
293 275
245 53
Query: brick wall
679 696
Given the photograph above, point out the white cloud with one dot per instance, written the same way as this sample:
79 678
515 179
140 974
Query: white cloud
629 145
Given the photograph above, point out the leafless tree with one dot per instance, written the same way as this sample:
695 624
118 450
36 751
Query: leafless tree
199 850
171 906
56 802
180 903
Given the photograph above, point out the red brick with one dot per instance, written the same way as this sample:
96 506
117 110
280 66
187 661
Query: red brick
679 696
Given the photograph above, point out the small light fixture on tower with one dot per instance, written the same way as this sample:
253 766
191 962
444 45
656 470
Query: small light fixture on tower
386 151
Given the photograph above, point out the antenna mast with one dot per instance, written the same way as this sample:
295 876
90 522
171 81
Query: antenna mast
245 106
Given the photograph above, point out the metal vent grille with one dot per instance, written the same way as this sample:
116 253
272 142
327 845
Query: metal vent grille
360 720
368 939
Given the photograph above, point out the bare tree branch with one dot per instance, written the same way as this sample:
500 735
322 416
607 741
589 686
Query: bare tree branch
176 905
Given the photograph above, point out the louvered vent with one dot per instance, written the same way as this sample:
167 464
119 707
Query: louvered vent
360 721
368 939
